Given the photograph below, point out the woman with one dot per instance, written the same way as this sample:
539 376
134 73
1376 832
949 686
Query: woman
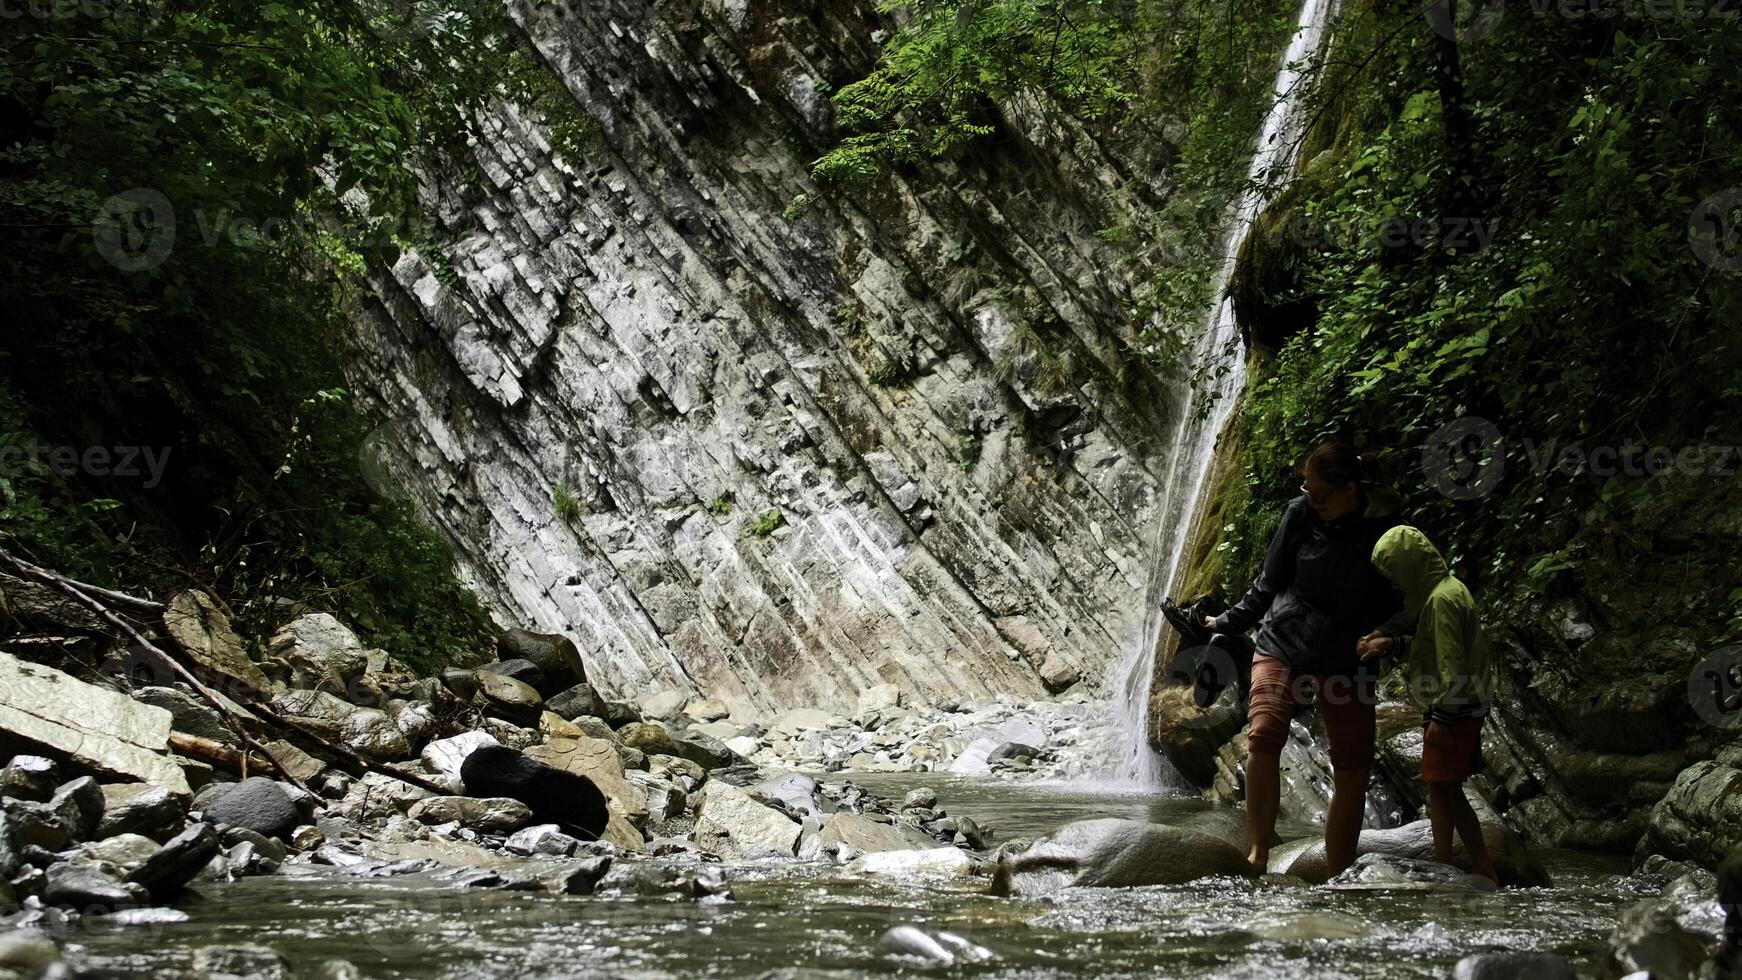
1315 597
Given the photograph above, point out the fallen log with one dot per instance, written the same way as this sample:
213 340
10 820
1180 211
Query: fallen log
221 756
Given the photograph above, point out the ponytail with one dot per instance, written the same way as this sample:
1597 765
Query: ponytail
1339 463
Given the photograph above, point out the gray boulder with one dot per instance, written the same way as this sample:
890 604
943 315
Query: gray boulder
79 804
322 652
35 825
555 655
1513 966
29 777
189 716
495 815
86 888
1113 853
136 808
508 699
704 750
258 804
203 632
165 872
522 670
577 700
1517 865
372 734
912 945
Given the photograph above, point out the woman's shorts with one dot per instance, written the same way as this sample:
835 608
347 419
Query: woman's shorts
1451 751
1345 703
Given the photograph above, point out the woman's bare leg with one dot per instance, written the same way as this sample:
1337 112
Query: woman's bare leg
1263 796
1343 820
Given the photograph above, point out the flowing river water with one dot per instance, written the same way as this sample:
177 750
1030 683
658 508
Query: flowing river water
796 919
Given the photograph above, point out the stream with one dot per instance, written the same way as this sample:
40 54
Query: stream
790 918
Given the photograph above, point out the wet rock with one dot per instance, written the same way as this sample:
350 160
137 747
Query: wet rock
798 793
1671 936
1011 752
27 952
970 834
910 944
99 729
322 652
923 798
1701 816
84 887
937 862
507 698
557 658
372 734
546 840
246 962
1118 853
174 865
260 805
203 632
1389 872
554 795
867 836
136 808
79 804
445 756
270 847
460 682
123 852
499 815
34 825
1513 966
581 877
577 700
1058 674
29 777
1517 865
666 705
733 824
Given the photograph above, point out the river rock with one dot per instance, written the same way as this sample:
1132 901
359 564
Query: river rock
1514 861
650 737
316 705
1057 674
704 750
507 698
974 759
242 962
798 792
1386 872
322 652
416 721
99 729
577 700
136 808
203 632
598 761
123 852
378 795
1111 853
522 670
29 777
26 952
79 804
936 862
84 887
733 824
460 682
371 733
542 840
664 799
912 945
498 815
707 709
1701 816
554 795
164 873
923 798
260 805
665 705
445 756
1513 966
189 716
580 877
557 658
867 836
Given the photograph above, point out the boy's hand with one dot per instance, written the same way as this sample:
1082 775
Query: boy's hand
1373 645
1210 622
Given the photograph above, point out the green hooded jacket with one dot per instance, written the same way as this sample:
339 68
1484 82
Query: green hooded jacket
1447 661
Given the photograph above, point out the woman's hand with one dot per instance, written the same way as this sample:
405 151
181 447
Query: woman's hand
1373 645
1210 623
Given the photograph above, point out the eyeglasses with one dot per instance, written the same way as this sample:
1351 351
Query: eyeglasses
1319 498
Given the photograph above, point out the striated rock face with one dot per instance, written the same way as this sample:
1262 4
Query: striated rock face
904 438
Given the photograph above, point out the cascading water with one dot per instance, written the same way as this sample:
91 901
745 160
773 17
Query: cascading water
1217 360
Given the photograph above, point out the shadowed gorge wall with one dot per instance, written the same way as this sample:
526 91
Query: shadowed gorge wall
901 438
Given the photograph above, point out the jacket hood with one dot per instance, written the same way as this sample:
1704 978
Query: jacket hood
1405 556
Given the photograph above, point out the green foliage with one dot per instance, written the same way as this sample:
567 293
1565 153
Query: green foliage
1562 301
968 450
721 505
565 504
281 146
765 523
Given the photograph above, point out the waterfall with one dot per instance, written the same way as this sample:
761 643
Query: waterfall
1217 360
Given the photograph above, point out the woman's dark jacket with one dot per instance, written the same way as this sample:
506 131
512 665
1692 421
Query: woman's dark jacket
1317 592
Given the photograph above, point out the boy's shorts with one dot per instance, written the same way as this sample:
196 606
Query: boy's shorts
1451 750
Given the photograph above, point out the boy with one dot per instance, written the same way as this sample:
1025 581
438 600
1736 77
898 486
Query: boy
1446 665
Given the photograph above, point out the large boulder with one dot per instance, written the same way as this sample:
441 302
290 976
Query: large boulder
704 750
99 729
1515 862
554 795
190 716
555 655
445 756
164 873
734 824
322 652
1112 853
202 630
138 808
371 733
598 761
1189 736
258 804
1672 936
665 705
577 701
1701 816
499 815
508 699
867 836
650 737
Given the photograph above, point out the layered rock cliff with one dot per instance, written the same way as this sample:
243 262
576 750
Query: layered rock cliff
906 437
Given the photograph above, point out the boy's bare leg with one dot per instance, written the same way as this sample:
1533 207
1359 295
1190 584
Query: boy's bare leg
1449 812
1343 819
1263 797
